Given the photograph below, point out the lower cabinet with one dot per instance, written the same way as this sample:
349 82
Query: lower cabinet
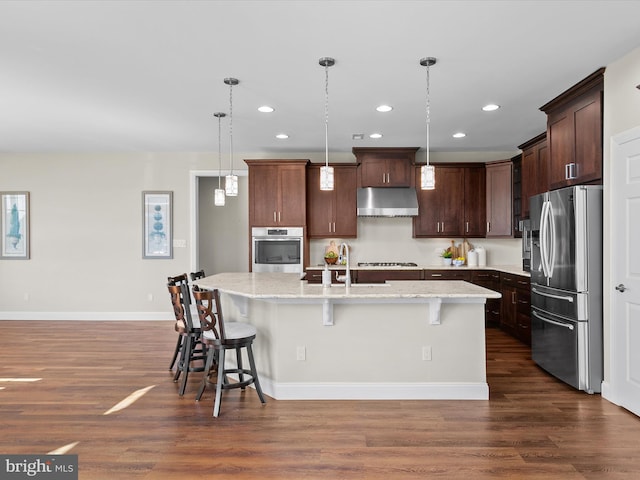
450 274
515 314
315 275
489 279
381 276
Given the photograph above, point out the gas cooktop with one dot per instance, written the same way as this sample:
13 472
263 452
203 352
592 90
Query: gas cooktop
387 264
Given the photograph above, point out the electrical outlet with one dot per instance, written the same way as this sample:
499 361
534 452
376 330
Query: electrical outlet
426 352
150 297
301 353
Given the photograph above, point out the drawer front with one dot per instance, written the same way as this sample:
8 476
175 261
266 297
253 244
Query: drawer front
516 281
380 276
447 275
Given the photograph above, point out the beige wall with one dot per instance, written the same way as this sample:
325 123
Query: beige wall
621 113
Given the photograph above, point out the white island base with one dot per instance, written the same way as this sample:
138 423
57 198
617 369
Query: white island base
382 344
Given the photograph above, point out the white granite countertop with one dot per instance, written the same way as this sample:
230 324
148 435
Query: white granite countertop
513 269
289 286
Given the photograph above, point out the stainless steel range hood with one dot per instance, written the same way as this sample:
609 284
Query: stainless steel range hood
387 202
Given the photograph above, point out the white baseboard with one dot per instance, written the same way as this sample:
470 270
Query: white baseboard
374 391
102 316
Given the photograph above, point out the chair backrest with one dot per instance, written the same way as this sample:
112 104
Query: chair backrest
210 311
180 299
179 280
197 275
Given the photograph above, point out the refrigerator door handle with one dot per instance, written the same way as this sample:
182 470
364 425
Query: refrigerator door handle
553 322
550 295
544 239
551 262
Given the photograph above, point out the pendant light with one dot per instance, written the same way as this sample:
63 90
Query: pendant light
427 172
231 180
219 196
326 172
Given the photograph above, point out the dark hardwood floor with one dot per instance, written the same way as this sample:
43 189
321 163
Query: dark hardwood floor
533 426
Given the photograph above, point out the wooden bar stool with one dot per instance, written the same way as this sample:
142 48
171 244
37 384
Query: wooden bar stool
191 347
220 336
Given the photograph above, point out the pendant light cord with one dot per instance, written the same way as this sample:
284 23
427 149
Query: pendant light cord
326 115
219 153
231 126
428 112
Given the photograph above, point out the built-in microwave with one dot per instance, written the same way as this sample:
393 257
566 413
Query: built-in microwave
277 249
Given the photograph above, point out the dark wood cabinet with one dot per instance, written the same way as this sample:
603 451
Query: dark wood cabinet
277 193
535 170
385 167
456 207
574 133
499 199
441 211
451 273
315 275
489 279
515 315
332 213
475 194
381 276
516 193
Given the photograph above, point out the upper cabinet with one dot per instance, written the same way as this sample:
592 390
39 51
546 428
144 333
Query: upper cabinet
385 167
499 199
535 170
456 207
277 193
574 133
332 213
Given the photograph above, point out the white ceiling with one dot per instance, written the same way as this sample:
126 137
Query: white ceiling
146 76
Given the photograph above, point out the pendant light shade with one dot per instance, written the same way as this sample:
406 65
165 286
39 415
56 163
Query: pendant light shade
326 172
231 180
427 172
219 196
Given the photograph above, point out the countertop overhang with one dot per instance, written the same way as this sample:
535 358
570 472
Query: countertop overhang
288 288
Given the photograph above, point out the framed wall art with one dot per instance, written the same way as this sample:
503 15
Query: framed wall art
14 225
157 211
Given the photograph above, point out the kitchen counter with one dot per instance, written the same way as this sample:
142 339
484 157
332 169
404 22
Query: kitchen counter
513 269
401 339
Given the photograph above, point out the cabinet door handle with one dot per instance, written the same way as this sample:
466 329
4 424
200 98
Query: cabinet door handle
488 227
513 297
467 227
384 177
438 227
274 216
436 275
570 171
334 227
279 219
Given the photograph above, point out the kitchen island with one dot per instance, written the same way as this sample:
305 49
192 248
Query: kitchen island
398 340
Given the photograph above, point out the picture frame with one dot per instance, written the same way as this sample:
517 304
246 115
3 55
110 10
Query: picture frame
157 225
14 226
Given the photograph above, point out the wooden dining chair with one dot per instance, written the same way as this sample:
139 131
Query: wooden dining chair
220 336
177 280
197 275
190 348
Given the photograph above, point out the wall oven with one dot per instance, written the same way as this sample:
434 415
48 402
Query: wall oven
277 249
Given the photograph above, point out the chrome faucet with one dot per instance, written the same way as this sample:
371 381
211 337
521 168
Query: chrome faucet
343 252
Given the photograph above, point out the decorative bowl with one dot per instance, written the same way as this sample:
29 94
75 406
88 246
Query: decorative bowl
458 263
331 260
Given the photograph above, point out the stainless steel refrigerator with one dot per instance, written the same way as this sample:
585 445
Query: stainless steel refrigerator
566 285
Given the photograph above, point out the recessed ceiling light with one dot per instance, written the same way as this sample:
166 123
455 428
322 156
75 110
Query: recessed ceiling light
282 136
357 136
459 135
491 107
265 109
384 108
375 135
